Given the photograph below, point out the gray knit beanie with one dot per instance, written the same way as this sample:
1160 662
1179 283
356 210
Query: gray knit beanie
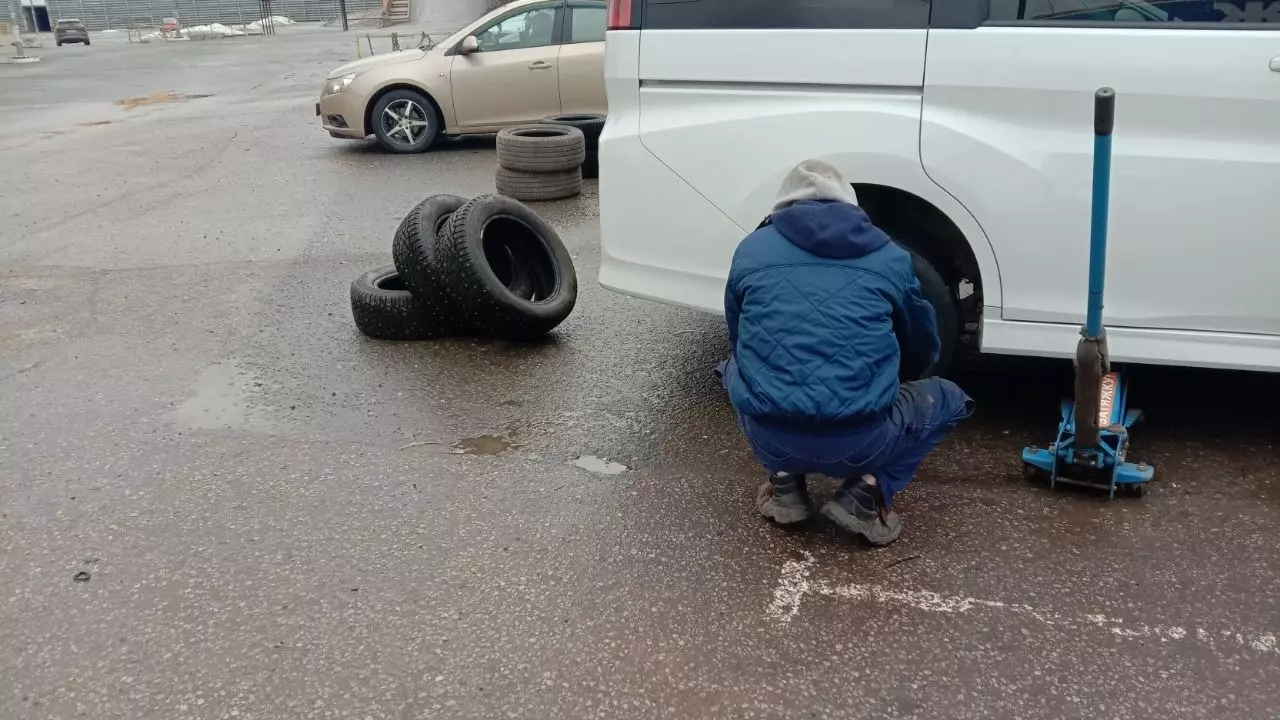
814 180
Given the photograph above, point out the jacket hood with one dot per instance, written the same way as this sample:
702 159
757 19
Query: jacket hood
814 180
829 229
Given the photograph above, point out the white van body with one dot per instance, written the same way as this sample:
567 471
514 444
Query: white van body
966 127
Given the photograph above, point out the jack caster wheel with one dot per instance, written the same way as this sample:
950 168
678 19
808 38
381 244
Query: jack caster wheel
1032 473
1133 490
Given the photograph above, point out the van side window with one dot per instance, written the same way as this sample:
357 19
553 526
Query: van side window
800 14
1136 11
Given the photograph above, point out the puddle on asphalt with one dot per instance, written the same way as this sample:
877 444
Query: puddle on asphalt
482 445
156 98
35 283
220 399
598 465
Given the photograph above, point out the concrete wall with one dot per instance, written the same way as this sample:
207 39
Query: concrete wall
445 15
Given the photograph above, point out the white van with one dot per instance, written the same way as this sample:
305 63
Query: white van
966 128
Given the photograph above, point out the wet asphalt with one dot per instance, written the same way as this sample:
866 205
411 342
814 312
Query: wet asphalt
218 500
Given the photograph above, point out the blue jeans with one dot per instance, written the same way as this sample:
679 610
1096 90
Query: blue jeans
921 417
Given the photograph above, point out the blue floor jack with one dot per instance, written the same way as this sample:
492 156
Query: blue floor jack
1093 437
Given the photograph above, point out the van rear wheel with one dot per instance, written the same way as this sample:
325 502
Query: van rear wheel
946 308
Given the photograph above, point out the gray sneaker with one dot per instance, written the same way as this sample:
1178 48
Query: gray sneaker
859 508
786 502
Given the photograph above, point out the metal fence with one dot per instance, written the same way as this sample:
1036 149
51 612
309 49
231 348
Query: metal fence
109 14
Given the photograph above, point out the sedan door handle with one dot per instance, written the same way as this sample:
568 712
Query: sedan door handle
539 65
1275 64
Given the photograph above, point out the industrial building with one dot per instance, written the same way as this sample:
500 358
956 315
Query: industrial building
39 15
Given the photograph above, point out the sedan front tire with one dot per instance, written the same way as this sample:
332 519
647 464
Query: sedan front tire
405 121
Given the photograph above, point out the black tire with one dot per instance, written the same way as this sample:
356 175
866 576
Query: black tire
478 232
943 299
538 186
58 44
541 148
590 125
591 165
383 308
413 248
87 43
418 108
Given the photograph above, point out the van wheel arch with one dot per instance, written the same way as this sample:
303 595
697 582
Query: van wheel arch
922 227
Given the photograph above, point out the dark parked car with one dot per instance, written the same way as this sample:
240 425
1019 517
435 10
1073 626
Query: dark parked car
70 31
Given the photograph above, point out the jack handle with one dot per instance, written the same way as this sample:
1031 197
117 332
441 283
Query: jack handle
1092 356
1104 111
1104 120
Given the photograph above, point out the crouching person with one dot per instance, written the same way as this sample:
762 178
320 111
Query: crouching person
823 307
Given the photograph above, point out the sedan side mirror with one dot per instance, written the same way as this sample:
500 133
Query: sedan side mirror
469 45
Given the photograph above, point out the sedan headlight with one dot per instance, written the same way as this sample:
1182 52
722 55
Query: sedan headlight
333 86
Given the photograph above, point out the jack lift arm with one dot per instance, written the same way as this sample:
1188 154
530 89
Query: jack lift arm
1093 435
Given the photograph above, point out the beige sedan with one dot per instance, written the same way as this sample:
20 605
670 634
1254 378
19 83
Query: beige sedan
525 61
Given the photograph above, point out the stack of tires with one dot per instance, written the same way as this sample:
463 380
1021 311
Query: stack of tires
540 162
547 161
486 267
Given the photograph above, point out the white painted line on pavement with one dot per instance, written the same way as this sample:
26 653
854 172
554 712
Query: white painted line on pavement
794 583
792 586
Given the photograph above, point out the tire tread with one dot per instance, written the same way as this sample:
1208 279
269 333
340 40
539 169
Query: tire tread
541 154
528 186
413 250
480 309
392 314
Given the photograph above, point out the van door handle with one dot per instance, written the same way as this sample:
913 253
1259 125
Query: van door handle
1275 64
543 65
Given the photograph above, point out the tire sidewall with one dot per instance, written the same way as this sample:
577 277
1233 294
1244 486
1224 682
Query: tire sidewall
942 297
425 142
521 135
472 224
393 314
370 282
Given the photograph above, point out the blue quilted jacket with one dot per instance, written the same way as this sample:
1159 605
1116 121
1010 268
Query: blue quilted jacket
813 301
